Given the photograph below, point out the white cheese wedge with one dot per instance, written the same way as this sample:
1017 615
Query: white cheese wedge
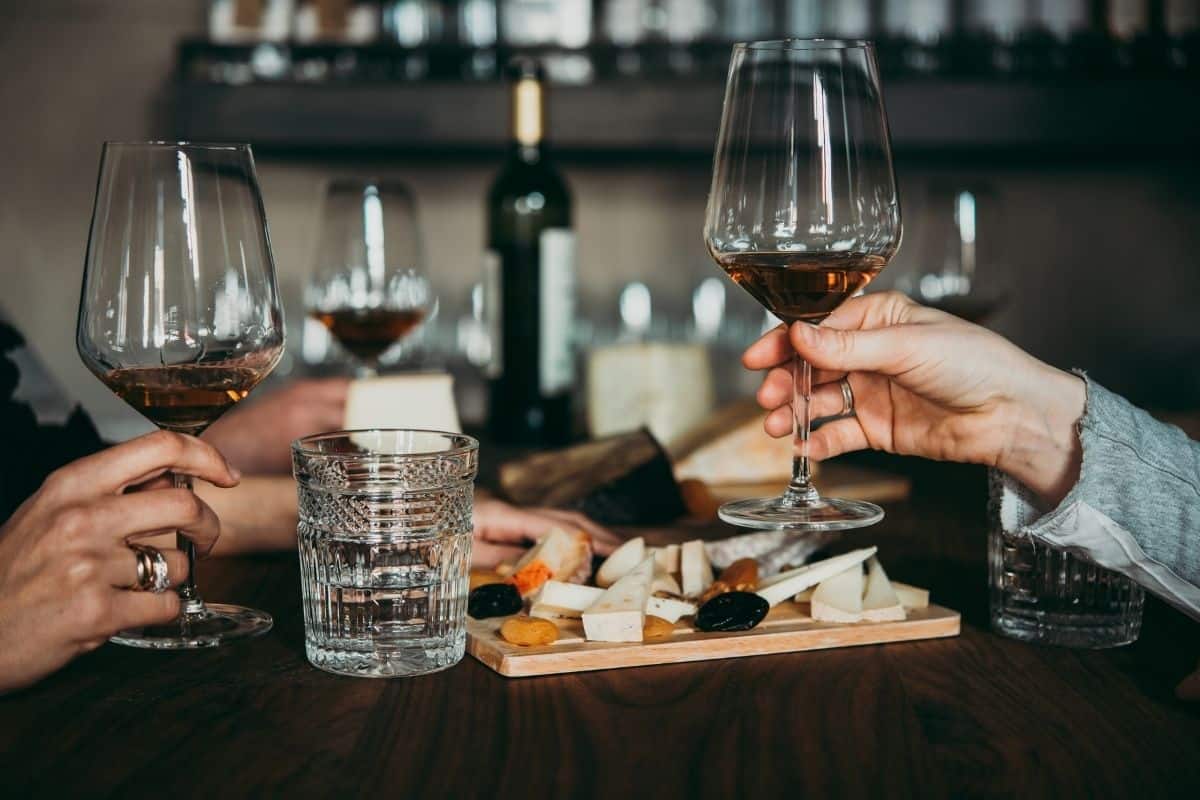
557 555
418 400
620 613
911 596
880 603
572 597
666 557
694 570
788 584
839 598
667 387
669 608
621 562
665 583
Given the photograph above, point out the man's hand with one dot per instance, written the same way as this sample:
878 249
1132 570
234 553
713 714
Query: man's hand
504 532
65 564
929 384
257 436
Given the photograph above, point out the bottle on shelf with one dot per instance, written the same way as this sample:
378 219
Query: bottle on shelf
530 280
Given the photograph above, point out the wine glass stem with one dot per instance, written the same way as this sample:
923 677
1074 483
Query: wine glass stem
800 491
192 604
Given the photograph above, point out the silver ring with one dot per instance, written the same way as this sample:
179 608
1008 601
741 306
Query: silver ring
847 398
152 570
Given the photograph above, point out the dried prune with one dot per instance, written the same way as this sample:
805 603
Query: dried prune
493 600
732 611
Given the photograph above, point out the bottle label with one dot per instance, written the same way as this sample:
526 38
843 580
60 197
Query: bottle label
556 367
493 309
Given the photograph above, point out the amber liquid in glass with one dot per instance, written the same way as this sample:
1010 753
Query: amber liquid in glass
801 286
368 332
186 398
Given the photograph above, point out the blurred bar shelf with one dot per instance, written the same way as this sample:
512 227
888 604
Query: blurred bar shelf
1125 119
363 100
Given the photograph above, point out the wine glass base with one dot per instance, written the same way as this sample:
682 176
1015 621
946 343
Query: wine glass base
215 625
824 514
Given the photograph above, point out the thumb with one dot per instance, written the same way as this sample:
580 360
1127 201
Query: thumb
880 350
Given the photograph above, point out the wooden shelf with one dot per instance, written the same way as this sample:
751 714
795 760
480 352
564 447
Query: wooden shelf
1126 119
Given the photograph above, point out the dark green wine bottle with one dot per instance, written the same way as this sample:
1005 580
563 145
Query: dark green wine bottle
530 280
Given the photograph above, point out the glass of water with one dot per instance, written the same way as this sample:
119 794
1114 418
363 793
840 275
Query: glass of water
385 548
1047 595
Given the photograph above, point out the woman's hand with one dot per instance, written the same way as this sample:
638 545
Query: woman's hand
503 532
65 566
257 437
926 383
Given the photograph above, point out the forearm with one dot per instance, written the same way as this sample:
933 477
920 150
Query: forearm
1135 507
1042 449
257 514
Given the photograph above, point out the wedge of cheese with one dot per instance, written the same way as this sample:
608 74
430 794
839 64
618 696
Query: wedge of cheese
694 570
620 613
911 596
669 608
559 555
880 602
559 600
840 598
666 557
621 562
788 584
665 583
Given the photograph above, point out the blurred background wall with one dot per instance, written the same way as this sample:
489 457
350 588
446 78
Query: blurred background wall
1097 258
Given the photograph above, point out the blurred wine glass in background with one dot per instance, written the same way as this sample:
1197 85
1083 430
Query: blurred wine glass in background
948 254
369 288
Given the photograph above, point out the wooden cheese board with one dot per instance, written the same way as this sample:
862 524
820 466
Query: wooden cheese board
788 628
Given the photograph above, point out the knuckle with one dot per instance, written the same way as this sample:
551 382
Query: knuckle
57 482
93 608
170 445
70 522
82 570
169 607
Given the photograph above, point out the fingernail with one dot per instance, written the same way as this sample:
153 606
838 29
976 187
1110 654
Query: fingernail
235 472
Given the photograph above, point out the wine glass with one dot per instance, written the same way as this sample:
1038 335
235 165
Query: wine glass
180 316
802 214
368 287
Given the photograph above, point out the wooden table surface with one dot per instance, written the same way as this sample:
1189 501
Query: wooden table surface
975 716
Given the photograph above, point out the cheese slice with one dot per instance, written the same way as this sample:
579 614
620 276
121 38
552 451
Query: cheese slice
665 583
788 584
839 598
880 603
621 562
694 570
666 557
413 401
911 596
669 608
565 599
620 613
558 555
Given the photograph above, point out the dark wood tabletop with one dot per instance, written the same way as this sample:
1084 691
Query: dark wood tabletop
973 716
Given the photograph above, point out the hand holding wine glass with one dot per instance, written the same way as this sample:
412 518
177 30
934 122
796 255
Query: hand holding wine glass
928 384
802 214
180 315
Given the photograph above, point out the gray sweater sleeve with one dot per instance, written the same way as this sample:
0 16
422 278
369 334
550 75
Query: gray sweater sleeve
1136 506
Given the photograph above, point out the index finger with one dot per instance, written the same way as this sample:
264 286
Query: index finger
142 459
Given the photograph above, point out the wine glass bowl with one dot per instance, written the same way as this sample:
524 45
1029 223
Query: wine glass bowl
368 286
179 315
803 213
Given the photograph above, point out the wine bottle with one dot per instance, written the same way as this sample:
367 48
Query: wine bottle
530 276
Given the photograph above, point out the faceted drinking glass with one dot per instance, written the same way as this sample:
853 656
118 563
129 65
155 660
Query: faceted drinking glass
385 549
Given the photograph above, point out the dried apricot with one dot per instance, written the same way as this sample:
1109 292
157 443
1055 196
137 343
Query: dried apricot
656 627
484 577
529 631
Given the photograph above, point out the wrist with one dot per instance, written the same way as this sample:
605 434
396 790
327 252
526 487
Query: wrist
1043 451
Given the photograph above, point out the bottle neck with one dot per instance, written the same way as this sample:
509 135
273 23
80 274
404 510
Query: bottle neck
528 118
